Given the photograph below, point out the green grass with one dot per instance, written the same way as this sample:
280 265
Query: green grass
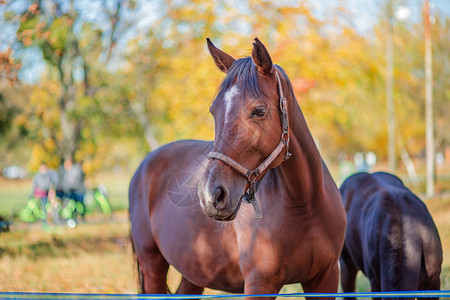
91 258
13 195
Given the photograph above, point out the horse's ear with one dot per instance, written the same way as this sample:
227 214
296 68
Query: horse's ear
261 58
223 60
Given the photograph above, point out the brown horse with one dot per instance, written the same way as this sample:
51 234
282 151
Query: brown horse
390 236
293 232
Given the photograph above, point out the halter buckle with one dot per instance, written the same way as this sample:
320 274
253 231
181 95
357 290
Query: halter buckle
249 197
285 139
283 104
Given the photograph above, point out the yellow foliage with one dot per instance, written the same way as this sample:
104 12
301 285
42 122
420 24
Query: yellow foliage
21 120
88 167
168 76
38 156
38 97
89 148
49 144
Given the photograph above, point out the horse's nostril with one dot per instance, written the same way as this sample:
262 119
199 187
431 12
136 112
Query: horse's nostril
219 198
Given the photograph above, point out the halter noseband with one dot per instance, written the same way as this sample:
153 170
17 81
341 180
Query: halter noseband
253 176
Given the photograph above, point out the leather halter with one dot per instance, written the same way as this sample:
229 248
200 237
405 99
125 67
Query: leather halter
253 176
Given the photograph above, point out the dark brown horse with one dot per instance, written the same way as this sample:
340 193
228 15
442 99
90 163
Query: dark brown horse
390 236
293 232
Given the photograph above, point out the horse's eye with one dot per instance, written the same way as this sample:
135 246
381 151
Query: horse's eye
258 112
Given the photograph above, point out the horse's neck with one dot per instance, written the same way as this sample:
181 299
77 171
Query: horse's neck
302 174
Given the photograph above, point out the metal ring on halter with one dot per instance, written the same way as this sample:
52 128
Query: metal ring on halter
251 178
285 137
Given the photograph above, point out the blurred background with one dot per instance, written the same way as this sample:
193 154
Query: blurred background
107 81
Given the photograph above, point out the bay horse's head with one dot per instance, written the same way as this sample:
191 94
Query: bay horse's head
251 131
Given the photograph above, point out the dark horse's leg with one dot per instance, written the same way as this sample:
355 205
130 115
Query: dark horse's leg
435 286
348 273
374 288
188 288
326 282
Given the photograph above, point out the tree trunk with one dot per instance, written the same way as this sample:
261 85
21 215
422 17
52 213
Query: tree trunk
429 103
150 138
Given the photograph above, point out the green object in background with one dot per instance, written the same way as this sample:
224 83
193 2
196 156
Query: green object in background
68 210
71 208
32 211
103 202
79 208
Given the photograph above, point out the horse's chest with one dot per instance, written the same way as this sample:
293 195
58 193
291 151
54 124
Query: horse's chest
292 251
205 252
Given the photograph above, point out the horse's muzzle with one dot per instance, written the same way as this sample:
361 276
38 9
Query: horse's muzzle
217 202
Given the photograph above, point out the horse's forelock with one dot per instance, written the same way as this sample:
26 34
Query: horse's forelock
243 70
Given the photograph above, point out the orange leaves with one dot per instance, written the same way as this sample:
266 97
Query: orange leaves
302 85
8 67
21 120
33 8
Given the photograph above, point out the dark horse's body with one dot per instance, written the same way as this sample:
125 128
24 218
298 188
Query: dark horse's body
390 236
299 238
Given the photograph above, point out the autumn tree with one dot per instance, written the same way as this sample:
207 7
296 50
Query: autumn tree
131 78
61 108
169 81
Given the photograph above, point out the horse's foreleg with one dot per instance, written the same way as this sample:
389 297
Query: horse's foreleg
188 288
153 270
348 274
255 285
375 287
326 282
152 267
433 285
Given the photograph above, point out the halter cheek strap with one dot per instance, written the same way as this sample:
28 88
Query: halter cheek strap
253 176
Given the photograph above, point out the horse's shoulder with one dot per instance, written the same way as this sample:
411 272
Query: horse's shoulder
393 191
386 199
356 187
368 185
356 180
388 179
396 204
